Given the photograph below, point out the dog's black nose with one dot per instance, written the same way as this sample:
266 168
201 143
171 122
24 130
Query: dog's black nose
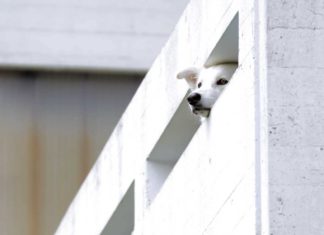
194 98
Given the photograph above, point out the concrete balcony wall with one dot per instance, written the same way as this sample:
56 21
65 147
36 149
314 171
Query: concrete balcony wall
210 166
255 165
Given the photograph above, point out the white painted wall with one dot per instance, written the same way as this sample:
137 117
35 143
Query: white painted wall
85 35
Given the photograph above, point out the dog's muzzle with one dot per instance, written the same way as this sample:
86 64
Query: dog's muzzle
193 99
194 102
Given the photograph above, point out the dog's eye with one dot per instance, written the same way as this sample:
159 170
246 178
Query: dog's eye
221 81
199 85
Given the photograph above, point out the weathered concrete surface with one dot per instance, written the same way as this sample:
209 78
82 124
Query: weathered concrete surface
287 38
295 35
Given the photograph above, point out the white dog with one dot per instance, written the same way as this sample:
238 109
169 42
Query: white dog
206 85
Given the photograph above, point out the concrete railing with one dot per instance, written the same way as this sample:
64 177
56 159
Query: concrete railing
255 166
164 172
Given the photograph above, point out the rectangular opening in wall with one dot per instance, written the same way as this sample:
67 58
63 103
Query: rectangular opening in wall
227 48
122 220
184 124
169 148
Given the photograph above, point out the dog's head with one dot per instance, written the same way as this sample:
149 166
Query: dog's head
206 85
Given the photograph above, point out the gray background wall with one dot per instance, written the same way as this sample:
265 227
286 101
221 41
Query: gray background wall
52 128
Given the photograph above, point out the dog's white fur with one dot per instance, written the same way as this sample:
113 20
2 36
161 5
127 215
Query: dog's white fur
206 84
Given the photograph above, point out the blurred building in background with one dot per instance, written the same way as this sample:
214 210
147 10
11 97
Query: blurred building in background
68 69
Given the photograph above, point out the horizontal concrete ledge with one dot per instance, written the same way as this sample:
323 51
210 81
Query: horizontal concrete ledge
95 35
151 109
39 67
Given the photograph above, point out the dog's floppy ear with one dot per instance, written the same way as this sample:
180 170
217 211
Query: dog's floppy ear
191 76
